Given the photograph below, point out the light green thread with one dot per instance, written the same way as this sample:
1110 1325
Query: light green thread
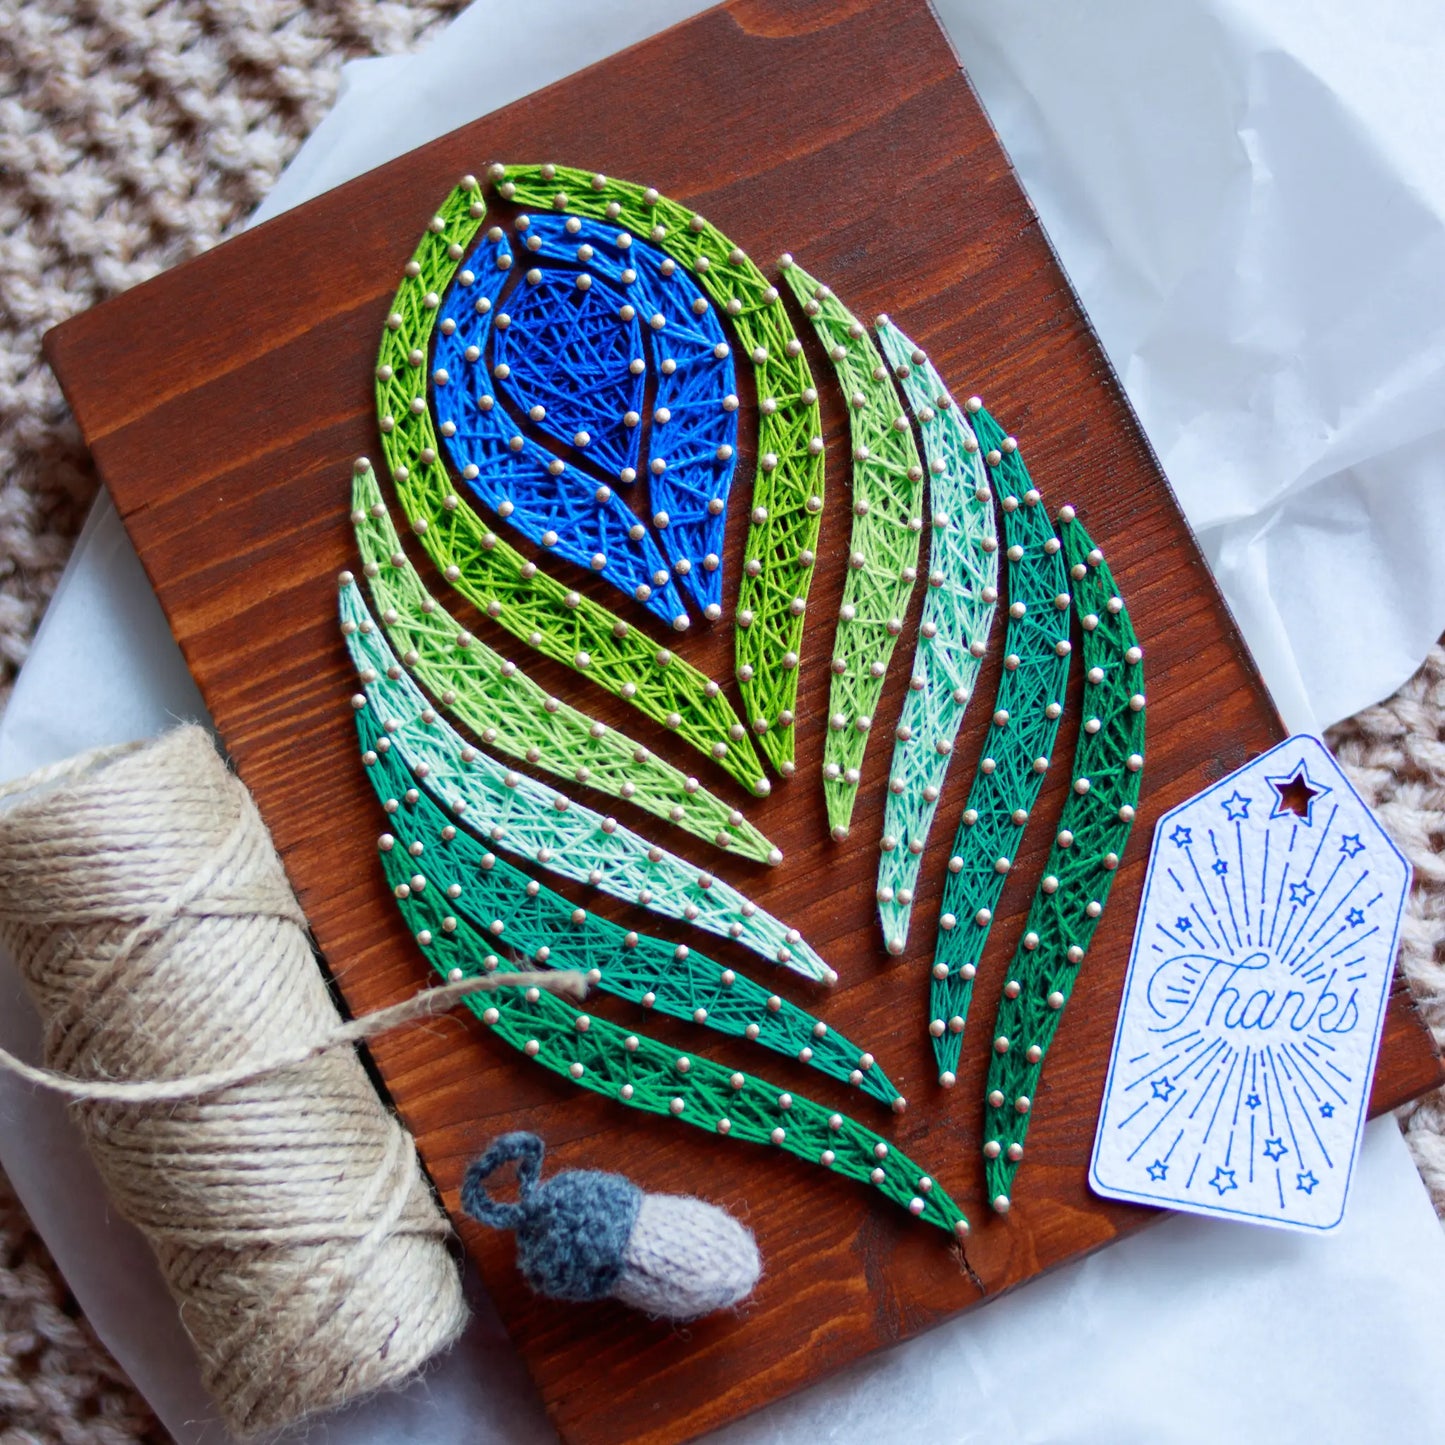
787 499
523 817
958 612
1093 829
883 548
515 593
1017 748
505 708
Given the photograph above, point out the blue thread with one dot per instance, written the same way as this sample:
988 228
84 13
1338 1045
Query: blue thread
551 503
696 387
571 351
571 1231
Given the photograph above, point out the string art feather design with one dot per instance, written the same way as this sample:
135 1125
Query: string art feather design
433 882
527 601
1093 829
1017 748
527 920
508 710
562 335
517 814
958 612
782 536
694 429
883 548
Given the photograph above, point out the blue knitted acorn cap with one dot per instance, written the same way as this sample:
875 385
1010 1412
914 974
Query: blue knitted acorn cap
571 1231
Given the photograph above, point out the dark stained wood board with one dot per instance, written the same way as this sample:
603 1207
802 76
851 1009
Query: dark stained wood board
225 402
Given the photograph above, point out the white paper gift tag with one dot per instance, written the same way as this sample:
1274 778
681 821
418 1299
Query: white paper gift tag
1262 961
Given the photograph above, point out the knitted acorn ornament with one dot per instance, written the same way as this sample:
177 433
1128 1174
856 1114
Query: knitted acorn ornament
587 1235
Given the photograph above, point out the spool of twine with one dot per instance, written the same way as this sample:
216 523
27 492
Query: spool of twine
187 1020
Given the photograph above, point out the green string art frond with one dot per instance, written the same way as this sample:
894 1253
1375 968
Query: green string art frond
527 919
787 501
883 547
509 711
468 913
1019 744
958 612
526 601
512 811
1093 829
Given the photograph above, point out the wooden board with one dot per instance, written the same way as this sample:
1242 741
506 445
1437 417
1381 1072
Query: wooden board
225 402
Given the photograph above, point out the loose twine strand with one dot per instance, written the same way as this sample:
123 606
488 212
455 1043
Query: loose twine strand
188 1024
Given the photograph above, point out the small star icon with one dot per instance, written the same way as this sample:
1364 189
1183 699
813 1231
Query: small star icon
1296 794
1252 1099
1350 845
1300 893
1274 1149
1223 1180
1355 917
1157 1170
1181 837
1183 924
1306 1182
1236 806
1220 867
1327 1111
1162 1088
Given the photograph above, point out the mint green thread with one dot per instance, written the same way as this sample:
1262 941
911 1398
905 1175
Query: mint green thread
523 817
953 632
507 710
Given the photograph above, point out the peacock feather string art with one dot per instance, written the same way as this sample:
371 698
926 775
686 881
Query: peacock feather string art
958 612
1017 748
509 711
883 548
528 920
514 812
562 334
787 496
555 620
1093 829
694 430
644 1074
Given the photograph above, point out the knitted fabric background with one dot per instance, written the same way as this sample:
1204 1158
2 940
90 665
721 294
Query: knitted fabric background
136 133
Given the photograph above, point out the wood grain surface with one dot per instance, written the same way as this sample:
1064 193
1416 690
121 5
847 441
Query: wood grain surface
225 402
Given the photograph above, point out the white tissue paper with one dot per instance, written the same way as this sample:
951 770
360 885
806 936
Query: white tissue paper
1251 207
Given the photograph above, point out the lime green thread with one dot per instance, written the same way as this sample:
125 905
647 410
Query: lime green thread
505 708
1019 744
787 501
523 817
883 548
1093 829
490 574
958 611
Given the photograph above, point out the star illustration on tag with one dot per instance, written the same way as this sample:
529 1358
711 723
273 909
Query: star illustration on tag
1262 960
1296 794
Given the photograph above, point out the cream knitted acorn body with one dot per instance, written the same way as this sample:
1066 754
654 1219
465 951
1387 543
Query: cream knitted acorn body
585 1235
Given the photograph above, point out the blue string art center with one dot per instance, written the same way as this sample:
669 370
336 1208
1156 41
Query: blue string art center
543 362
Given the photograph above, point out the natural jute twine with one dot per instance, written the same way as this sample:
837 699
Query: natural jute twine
187 1021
